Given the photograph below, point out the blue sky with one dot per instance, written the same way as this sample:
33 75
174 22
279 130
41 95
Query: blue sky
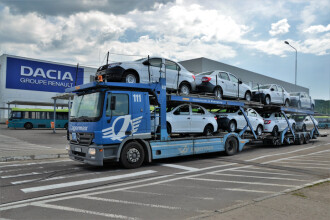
248 34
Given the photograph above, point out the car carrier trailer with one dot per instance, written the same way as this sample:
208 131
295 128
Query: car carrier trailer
121 129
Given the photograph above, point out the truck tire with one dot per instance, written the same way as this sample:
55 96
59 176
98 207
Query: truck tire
300 140
231 146
132 155
28 125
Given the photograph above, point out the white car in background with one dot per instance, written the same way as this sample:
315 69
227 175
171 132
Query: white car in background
189 119
222 84
275 123
304 122
177 77
271 94
301 100
232 119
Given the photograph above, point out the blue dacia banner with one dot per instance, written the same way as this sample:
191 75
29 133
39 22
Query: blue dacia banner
40 76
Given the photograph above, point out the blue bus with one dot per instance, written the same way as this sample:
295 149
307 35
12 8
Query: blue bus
37 118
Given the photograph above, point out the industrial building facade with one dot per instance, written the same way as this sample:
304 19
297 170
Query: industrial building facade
34 82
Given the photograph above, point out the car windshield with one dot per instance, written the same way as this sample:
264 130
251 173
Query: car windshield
266 115
262 87
298 117
87 107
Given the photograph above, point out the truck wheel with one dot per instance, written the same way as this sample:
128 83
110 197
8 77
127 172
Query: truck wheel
231 146
307 139
267 100
184 89
300 140
232 126
132 155
275 131
218 93
28 125
208 130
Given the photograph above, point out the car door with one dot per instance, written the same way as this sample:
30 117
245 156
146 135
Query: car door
281 94
198 118
274 94
305 101
281 121
224 82
181 119
172 70
252 115
234 85
155 65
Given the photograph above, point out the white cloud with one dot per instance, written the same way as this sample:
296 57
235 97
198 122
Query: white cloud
317 29
280 27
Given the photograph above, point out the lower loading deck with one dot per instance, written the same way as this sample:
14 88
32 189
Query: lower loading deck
230 142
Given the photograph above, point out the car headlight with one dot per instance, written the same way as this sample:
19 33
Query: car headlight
91 151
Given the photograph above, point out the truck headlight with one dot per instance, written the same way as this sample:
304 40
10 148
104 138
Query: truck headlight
91 151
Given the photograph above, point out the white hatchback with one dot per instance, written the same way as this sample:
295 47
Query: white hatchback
275 123
233 119
188 119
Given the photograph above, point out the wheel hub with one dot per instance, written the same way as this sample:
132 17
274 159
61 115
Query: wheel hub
133 155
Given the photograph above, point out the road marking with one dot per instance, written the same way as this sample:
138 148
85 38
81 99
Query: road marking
36 173
180 167
161 194
318 161
258 177
240 182
29 164
247 190
83 182
298 166
132 203
293 162
252 171
65 208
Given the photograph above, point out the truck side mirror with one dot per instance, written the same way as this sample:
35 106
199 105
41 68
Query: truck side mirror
113 103
147 63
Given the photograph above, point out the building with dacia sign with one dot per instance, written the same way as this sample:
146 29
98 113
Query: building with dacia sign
31 80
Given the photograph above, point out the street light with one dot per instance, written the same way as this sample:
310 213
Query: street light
295 79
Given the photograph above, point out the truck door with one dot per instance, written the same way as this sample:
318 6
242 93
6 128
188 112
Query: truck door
117 120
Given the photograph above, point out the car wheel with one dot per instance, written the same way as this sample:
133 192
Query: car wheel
28 125
275 131
232 126
132 155
169 128
286 104
184 89
248 96
218 93
299 105
208 130
231 146
267 100
130 78
259 130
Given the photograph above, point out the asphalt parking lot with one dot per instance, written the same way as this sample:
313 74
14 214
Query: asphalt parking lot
204 186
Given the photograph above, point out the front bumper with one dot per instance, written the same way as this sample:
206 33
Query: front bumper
257 97
80 153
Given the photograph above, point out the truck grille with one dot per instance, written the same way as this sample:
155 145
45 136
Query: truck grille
83 139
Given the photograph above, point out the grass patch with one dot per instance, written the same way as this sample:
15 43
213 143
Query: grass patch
300 194
317 184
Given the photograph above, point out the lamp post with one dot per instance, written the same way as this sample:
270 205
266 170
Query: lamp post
295 79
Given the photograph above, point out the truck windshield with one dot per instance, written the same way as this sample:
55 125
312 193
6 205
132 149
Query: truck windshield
87 107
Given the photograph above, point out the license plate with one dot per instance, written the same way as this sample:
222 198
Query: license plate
77 149
74 136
